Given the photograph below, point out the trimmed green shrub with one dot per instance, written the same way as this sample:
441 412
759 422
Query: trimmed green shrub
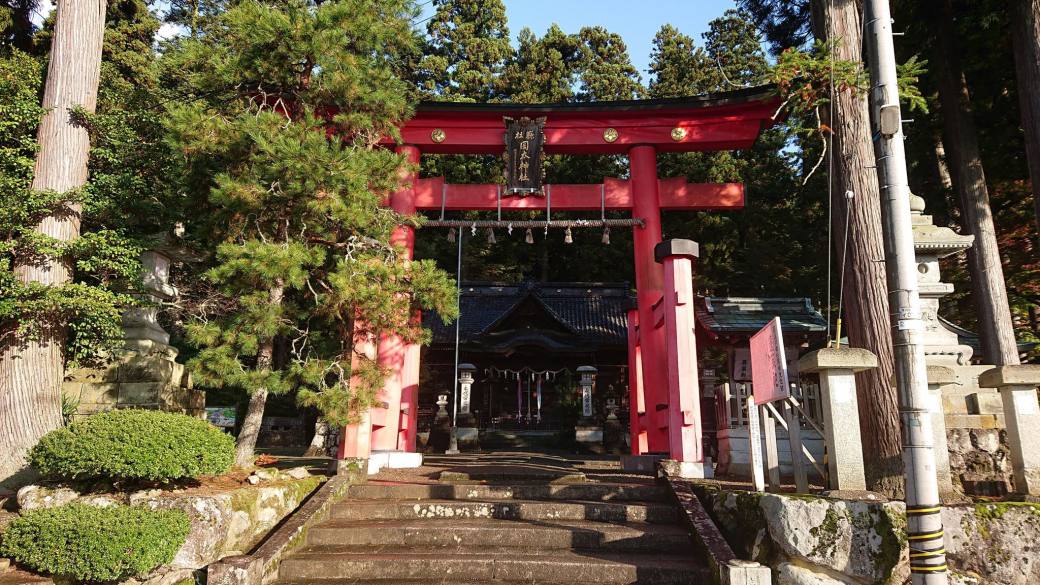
87 543
134 445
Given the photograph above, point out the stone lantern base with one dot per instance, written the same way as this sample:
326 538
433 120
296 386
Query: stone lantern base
589 437
147 377
467 435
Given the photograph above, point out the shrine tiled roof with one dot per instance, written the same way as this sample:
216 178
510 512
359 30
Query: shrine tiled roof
749 314
591 311
595 312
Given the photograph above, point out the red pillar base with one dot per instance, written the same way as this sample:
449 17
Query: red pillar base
637 420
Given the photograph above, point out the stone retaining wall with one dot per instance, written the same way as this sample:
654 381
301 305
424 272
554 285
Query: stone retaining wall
222 524
980 460
810 540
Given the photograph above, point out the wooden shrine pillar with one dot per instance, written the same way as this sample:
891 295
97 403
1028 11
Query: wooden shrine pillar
355 444
649 287
406 435
400 358
637 419
684 411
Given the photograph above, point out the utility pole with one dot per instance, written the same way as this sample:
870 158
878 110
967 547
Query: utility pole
924 522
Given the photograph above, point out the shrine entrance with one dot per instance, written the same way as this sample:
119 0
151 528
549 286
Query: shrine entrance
661 381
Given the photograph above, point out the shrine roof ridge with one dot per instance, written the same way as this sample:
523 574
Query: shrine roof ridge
706 100
486 288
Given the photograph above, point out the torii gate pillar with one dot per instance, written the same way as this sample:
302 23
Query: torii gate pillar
686 450
649 288
395 430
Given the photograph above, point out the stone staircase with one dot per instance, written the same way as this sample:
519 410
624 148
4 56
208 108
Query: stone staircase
477 533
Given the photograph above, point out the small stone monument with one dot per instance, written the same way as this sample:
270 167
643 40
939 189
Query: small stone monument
145 374
440 432
613 432
587 433
466 432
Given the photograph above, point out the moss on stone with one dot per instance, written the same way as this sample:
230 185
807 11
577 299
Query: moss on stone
892 531
826 533
741 523
995 510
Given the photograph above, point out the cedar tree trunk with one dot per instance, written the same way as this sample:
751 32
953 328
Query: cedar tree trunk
32 370
866 292
961 141
1025 36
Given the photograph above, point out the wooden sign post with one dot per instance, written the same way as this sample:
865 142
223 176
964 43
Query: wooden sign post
755 447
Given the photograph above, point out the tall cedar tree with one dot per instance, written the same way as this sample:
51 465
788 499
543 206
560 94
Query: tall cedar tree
126 202
839 24
1025 31
468 47
960 138
291 102
43 224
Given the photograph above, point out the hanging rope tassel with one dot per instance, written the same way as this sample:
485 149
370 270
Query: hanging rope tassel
567 237
606 236
529 237
491 235
451 235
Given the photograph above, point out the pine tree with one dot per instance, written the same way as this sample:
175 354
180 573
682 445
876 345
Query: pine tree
294 179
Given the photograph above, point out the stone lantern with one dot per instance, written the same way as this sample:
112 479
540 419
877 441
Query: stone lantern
145 373
466 432
587 433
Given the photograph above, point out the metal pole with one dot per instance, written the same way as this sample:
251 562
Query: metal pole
924 522
458 321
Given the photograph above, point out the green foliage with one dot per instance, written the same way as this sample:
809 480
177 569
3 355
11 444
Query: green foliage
94 544
293 196
123 204
805 79
134 445
909 74
467 49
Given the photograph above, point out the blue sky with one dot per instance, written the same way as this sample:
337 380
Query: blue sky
635 20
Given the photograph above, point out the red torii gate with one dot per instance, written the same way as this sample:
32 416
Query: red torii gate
663 381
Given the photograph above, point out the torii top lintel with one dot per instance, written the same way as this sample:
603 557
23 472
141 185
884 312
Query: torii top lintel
724 121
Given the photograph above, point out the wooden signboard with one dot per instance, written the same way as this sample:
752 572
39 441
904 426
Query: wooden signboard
524 156
769 365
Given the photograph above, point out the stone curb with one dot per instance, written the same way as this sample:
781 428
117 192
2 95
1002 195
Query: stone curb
262 565
725 567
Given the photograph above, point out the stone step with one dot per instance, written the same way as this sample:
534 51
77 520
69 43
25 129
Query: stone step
578 491
506 510
550 476
488 564
545 535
